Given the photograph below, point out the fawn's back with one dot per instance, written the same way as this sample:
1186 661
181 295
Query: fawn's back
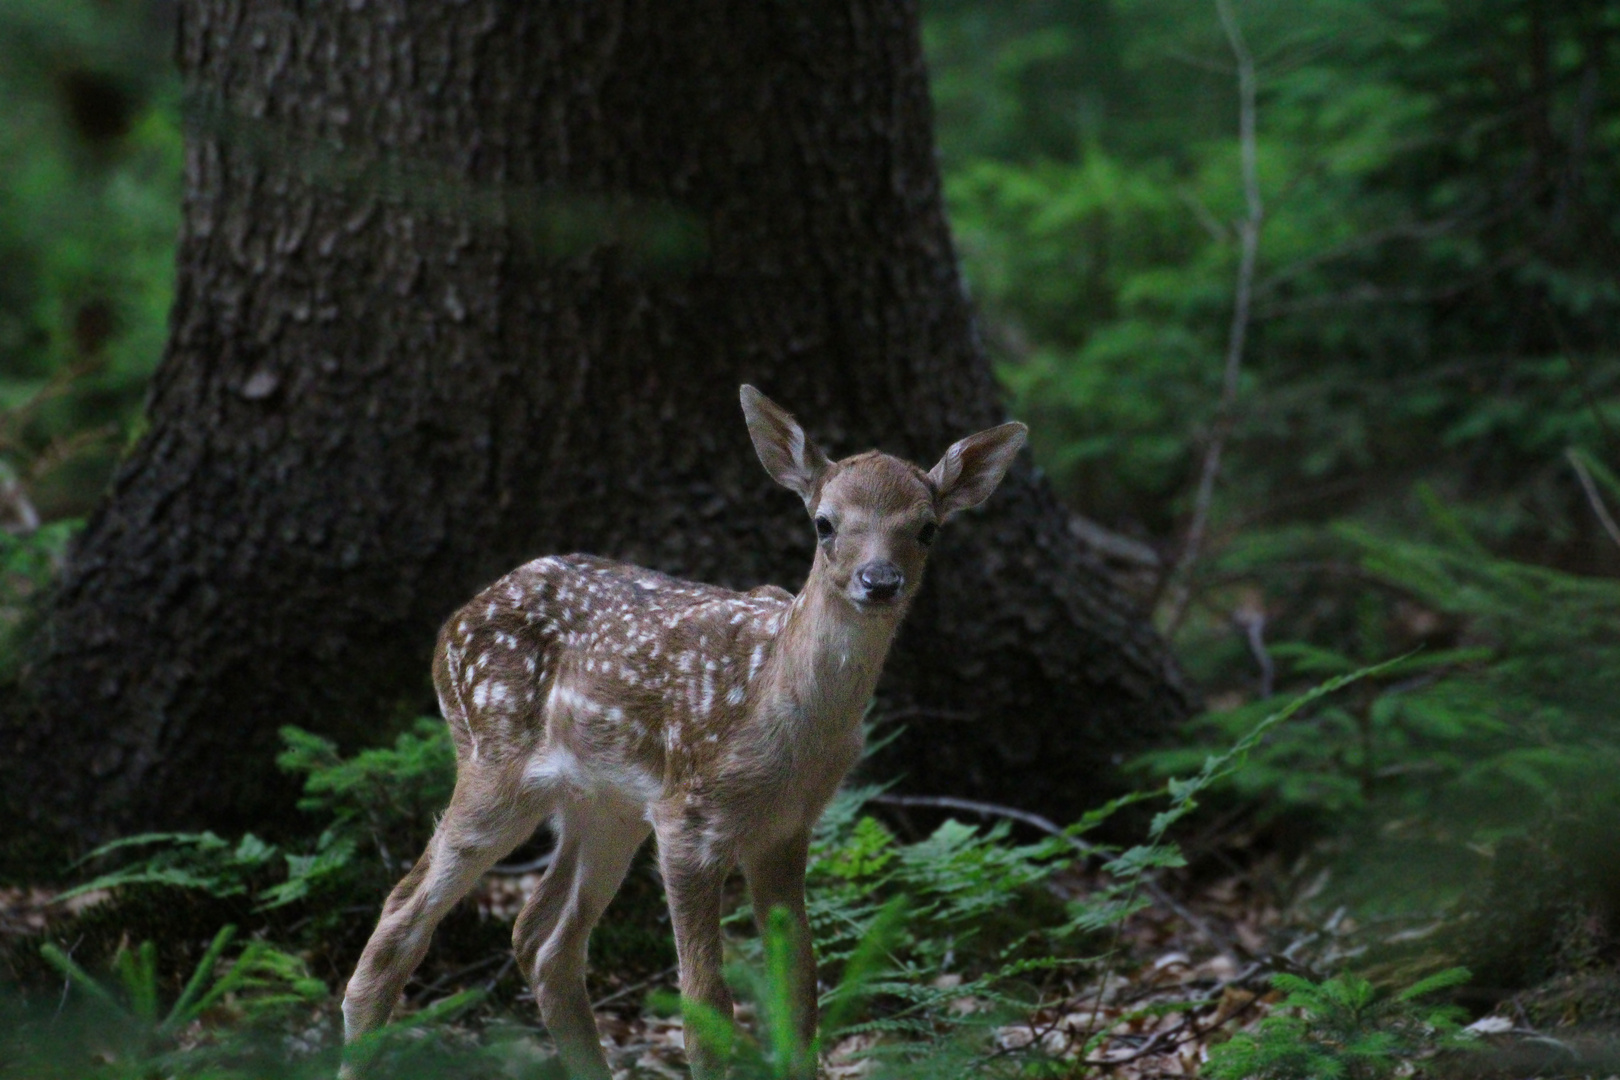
599 674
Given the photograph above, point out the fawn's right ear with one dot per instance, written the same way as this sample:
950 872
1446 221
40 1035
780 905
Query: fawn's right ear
787 454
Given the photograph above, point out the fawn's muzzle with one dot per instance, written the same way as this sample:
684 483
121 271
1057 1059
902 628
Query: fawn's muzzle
881 580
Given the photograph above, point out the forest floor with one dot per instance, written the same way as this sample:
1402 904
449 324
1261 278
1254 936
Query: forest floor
1179 977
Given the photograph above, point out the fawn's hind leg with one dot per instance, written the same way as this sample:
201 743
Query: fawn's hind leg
480 827
595 842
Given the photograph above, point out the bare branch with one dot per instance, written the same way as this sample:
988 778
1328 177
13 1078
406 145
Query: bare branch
1253 624
1249 238
14 500
973 806
1593 496
619 995
1112 545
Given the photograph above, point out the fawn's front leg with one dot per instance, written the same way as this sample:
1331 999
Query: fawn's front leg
776 880
693 885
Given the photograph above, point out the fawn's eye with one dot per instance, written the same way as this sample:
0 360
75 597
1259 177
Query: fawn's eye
925 536
824 528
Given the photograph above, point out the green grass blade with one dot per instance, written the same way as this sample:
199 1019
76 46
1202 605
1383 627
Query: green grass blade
75 974
184 1007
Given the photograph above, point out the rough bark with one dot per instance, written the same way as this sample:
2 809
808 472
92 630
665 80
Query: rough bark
464 284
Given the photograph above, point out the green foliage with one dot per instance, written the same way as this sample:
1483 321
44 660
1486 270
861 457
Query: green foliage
977 925
1342 1029
233 1040
28 562
935 942
382 799
186 861
930 944
119 1027
1454 747
1425 305
90 155
1433 309
263 979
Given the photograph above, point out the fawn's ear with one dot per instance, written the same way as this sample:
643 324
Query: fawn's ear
787 454
972 467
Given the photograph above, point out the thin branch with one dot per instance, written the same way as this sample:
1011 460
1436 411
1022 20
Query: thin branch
1593 496
446 979
14 498
973 806
1225 411
662 976
518 869
1253 625
1112 545
13 419
1577 368
927 711
500 973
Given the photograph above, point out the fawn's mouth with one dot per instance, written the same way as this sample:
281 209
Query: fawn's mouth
875 605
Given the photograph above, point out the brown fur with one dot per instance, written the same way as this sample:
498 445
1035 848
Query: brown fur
619 702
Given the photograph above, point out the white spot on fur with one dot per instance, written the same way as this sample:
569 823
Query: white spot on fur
554 765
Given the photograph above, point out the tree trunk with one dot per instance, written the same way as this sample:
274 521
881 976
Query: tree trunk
464 284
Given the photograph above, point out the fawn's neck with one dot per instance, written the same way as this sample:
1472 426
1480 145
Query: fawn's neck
829 656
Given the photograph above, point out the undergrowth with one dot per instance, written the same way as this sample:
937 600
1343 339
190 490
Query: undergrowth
1343 1029
926 947
1499 724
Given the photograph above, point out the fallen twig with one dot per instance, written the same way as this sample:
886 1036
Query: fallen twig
445 980
662 976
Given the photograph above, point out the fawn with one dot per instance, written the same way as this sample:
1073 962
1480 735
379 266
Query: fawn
617 701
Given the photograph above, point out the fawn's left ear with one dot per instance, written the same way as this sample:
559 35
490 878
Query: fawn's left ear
783 448
973 467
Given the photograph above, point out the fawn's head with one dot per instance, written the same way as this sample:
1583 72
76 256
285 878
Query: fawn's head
876 515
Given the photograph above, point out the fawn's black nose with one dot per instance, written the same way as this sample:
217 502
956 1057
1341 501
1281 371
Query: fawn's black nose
881 579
